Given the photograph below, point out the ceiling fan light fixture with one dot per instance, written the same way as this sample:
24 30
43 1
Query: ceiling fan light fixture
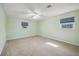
48 6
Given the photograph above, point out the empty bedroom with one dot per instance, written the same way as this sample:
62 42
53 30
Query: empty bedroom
39 29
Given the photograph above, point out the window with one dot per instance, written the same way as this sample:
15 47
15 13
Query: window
24 24
67 22
67 25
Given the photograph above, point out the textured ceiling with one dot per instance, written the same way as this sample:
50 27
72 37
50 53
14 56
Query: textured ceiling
39 10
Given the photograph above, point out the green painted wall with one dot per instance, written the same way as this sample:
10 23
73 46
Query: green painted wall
48 28
14 29
2 29
51 28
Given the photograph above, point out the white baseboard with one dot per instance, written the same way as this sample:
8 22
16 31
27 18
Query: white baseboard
43 35
19 36
55 38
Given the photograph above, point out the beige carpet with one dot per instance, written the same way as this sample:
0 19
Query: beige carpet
39 46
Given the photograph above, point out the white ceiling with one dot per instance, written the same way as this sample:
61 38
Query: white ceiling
39 10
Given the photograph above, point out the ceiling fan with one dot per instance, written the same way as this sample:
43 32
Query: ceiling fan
35 13
31 13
